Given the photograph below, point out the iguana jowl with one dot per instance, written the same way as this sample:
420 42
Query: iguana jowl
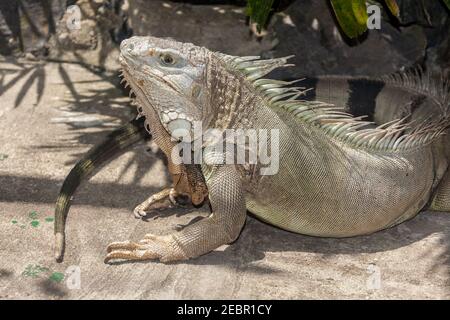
339 175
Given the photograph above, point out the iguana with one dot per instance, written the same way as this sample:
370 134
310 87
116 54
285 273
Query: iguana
339 174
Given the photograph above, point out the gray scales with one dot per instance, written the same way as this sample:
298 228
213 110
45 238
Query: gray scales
356 155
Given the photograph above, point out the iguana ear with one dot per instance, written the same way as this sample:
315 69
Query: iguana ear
252 66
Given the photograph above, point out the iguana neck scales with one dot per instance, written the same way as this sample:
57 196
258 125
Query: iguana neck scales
340 174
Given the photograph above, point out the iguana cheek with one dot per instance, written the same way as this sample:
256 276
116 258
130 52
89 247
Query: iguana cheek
180 129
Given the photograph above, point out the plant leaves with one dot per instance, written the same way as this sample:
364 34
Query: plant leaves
360 12
351 15
258 11
393 7
447 3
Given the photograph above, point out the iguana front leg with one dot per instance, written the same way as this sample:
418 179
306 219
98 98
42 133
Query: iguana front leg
180 185
187 179
188 187
221 227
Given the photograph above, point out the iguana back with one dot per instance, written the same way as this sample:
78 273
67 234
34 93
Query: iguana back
340 175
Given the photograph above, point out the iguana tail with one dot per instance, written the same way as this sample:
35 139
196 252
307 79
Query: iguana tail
115 142
413 92
421 99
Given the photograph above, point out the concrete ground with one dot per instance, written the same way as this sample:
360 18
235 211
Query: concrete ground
50 114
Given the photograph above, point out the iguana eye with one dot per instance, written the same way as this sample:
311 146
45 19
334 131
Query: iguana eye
167 59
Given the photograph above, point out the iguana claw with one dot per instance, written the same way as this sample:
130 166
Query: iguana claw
141 210
163 248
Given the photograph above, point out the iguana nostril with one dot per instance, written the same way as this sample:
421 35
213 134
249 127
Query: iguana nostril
129 48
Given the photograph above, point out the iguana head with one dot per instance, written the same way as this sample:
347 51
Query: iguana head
184 83
169 76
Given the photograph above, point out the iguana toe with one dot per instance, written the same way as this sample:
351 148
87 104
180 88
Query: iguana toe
151 247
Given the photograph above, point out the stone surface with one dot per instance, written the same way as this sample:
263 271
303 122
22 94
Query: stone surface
84 34
304 28
308 29
221 28
47 122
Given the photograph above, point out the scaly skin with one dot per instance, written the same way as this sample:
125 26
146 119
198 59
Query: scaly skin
338 176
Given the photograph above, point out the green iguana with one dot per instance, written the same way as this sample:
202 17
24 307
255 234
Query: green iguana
339 174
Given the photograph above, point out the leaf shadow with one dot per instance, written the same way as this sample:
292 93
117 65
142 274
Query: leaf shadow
34 73
92 113
37 76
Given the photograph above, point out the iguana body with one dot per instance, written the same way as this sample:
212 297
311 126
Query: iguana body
409 94
338 175
329 187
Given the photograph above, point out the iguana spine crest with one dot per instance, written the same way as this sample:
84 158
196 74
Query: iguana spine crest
337 123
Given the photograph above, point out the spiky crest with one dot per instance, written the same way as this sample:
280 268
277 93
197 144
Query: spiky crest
420 81
333 120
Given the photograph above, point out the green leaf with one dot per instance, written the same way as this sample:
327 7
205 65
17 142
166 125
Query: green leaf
258 11
33 270
34 223
393 7
57 277
360 12
351 15
447 3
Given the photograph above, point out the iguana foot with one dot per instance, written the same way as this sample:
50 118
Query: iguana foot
164 248
169 193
